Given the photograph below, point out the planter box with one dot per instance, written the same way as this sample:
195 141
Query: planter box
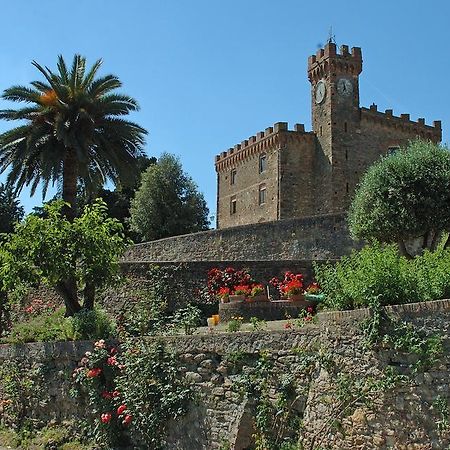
237 298
258 298
314 297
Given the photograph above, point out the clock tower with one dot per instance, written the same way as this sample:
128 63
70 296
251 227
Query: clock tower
335 118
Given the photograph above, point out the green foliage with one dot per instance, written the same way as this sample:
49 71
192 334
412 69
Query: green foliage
141 390
235 324
93 324
404 195
188 319
376 271
442 407
72 129
377 274
56 327
57 252
167 202
257 324
10 210
20 389
42 328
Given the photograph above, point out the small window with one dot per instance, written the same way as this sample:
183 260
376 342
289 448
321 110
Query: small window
345 127
392 150
262 194
233 205
346 188
262 163
233 176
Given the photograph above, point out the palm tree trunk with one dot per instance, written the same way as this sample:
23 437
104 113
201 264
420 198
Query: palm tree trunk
70 178
68 288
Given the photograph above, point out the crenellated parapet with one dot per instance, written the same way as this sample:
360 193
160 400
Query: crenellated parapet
402 123
330 60
271 137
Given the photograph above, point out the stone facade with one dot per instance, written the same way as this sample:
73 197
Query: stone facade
309 238
402 418
308 173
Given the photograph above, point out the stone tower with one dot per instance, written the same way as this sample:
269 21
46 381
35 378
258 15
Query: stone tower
334 79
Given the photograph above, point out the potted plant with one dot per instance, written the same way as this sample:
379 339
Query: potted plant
290 287
240 293
258 293
313 294
224 294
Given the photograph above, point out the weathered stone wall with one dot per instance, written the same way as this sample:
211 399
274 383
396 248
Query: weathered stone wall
311 238
403 418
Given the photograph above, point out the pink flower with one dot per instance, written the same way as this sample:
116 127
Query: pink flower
113 351
121 409
115 394
106 417
100 344
111 361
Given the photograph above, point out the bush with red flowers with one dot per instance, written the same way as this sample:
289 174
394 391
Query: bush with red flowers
127 410
291 284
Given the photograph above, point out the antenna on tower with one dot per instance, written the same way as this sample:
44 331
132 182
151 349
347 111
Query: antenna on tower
331 37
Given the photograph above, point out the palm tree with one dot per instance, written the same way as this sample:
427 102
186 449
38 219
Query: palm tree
72 132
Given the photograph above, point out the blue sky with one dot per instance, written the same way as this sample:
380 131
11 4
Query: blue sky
209 74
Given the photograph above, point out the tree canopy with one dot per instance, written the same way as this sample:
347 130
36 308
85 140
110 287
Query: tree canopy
403 196
72 131
11 211
168 202
58 253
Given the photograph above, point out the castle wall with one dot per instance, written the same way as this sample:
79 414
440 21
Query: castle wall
402 417
245 159
311 238
297 182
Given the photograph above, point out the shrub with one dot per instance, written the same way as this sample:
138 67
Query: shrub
56 327
92 324
376 271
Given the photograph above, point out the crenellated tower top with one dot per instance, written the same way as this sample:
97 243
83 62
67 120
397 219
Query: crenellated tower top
328 60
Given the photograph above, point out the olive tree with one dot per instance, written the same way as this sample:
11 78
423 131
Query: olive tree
405 196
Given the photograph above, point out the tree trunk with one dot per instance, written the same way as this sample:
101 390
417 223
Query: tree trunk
89 296
68 290
70 178
403 250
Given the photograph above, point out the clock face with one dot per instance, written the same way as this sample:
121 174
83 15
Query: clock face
344 87
321 91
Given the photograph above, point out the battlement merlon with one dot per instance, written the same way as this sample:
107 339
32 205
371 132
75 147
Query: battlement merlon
387 118
259 141
344 61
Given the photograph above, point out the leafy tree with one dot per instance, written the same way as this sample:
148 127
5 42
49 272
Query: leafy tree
55 251
168 202
72 131
404 196
10 209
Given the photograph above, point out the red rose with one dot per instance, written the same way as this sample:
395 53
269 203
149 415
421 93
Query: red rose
127 419
106 417
121 409
115 394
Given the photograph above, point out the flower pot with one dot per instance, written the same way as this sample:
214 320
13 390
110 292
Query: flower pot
296 297
237 298
259 298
